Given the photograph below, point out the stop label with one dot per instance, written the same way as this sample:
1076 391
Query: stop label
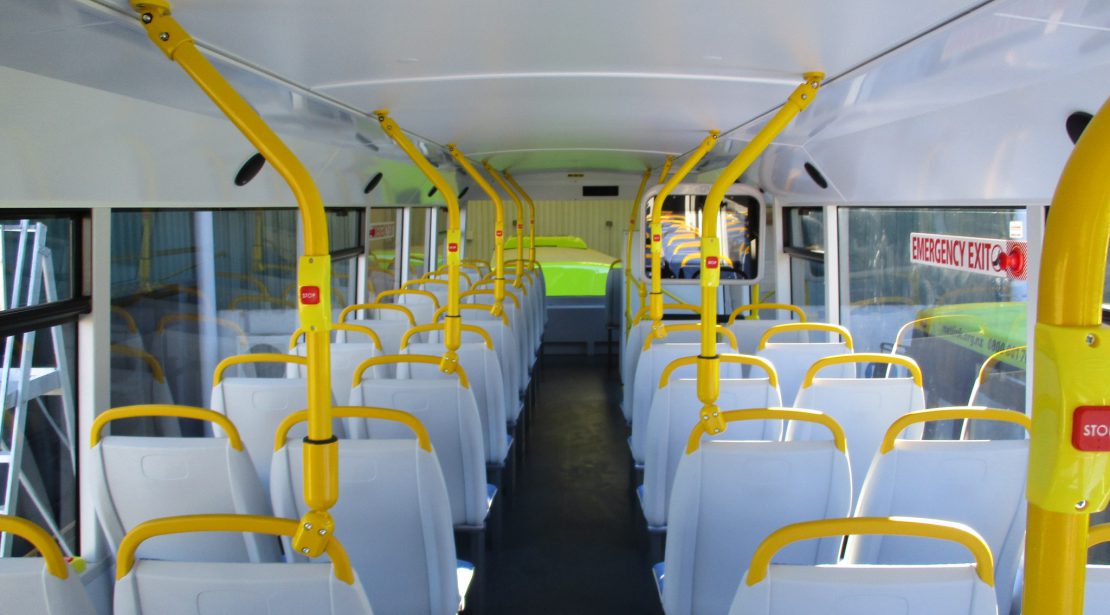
1091 428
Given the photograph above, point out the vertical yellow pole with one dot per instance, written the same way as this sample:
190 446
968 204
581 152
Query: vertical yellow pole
519 281
313 275
498 229
1067 483
702 149
531 219
632 219
452 322
708 360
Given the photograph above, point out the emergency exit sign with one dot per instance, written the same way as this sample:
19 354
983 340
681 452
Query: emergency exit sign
1000 258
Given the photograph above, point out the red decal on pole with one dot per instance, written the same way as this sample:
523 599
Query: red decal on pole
656 238
711 262
452 247
500 232
310 295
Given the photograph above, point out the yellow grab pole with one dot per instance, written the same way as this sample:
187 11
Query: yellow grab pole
518 281
452 332
531 218
498 228
321 449
632 218
666 169
708 361
1069 472
656 305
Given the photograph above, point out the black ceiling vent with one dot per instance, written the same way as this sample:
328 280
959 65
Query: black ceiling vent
367 142
373 183
249 169
464 191
601 191
432 192
1076 124
816 176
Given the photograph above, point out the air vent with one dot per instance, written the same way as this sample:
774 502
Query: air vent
1076 124
373 183
816 176
432 192
464 191
600 191
249 169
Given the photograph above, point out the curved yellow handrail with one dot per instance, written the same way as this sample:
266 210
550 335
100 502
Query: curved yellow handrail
894 526
911 324
357 412
806 326
770 414
137 353
740 359
863 357
485 307
975 413
440 327
132 326
166 410
391 359
481 292
223 322
664 330
694 242
442 270
125 559
424 280
258 357
342 326
285 303
378 306
681 237
646 310
725 261
250 279
40 540
756 307
408 291
1098 535
984 370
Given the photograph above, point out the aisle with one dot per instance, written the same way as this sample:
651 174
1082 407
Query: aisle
569 541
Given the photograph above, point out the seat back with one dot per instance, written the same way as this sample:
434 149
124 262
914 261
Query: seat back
505 344
1098 575
728 495
39 585
421 306
389 332
792 360
633 348
646 381
674 413
141 478
345 357
393 514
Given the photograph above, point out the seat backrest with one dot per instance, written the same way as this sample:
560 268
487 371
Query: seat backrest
792 360
505 344
1097 590
39 585
389 332
450 415
633 348
749 332
484 372
728 496
650 368
421 306
674 413
393 516
345 358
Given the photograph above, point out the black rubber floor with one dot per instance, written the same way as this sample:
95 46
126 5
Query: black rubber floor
570 543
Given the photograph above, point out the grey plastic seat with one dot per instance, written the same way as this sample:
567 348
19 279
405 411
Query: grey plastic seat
792 359
43 585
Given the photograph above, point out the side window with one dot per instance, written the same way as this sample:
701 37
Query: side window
804 242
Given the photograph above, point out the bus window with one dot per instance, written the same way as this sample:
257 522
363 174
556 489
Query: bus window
418 225
737 227
381 265
804 243
346 245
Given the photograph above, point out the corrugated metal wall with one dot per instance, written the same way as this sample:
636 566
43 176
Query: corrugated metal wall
600 222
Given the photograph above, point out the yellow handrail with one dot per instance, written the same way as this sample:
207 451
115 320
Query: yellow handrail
479 292
806 326
628 277
1098 535
258 357
863 357
531 216
125 559
485 307
681 237
378 306
974 413
132 326
893 526
156 370
342 326
519 217
725 261
223 322
756 307
40 540
446 270
708 366
646 310
439 327
392 359
358 412
498 226
721 330
984 369
408 291
911 324
769 414
739 359
422 281
165 410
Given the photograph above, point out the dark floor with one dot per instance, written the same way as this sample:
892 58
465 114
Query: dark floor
570 543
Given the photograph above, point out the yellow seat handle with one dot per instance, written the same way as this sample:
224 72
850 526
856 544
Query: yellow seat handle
485 307
443 270
863 357
367 331
890 526
151 361
770 414
40 540
976 413
440 327
278 301
806 326
985 369
125 559
407 291
481 292
166 410
378 306
644 311
258 357
357 412
725 261
393 359
1098 535
741 359
665 329
757 307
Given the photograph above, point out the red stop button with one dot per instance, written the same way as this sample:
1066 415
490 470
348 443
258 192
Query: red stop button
655 238
310 295
711 262
1090 430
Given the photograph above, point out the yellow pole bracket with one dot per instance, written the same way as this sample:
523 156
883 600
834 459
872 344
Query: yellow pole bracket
633 216
531 216
452 334
498 228
314 271
1069 448
517 282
